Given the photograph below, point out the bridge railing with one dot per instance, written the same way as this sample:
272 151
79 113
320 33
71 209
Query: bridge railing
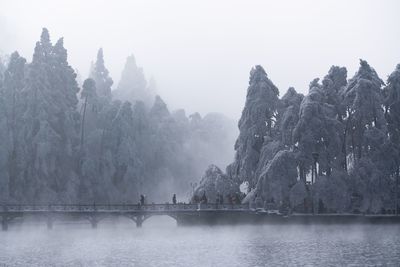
120 207
215 206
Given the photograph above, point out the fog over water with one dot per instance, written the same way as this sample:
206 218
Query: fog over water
201 52
161 243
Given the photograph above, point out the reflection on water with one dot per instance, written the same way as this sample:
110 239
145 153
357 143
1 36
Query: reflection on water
161 243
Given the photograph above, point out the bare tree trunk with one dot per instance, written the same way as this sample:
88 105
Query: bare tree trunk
83 124
397 190
344 148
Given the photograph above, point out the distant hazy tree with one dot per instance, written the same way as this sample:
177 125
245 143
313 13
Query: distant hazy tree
2 70
159 110
133 85
100 75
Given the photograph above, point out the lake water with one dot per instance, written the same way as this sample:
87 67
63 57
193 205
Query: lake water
161 243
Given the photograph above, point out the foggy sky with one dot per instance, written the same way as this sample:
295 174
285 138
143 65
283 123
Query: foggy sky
201 52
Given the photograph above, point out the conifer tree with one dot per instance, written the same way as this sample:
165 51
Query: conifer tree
101 76
14 82
50 122
256 122
392 114
363 99
133 85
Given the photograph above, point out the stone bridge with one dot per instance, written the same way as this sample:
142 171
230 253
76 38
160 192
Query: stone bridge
182 213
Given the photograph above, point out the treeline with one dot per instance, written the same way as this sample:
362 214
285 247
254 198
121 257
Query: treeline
335 149
66 144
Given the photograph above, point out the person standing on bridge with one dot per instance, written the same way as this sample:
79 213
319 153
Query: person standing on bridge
174 199
141 199
204 198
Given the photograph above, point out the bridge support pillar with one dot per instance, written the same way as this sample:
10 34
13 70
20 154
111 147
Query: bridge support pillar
139 221
94 224
49 222
94 221
4 222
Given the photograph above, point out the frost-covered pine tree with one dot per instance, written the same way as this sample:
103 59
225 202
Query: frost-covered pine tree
392 106
50 124
367 140
392 114
363 99
256 122
5 147
14 82
332 86
288 115
125 165
317 131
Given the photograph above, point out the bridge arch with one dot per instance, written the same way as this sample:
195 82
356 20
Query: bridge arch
140 219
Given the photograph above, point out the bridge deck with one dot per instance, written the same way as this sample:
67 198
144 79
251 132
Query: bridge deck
184 214
123 208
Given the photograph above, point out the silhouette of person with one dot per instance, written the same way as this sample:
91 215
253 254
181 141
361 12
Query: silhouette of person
204 198
141 199
174 199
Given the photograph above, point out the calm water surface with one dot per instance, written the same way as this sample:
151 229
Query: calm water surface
161 243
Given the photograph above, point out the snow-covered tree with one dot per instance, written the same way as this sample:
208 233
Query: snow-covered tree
363 99
14 82
288 115
257 121
392 114
50 123
317 131
278 177
124 166
392 106
213 183
332 84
